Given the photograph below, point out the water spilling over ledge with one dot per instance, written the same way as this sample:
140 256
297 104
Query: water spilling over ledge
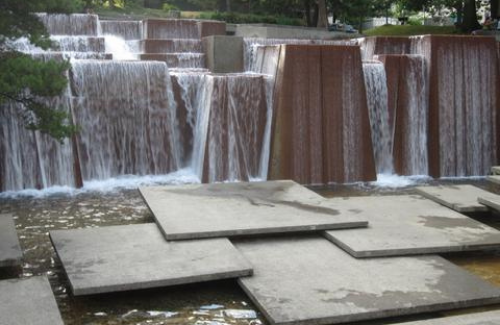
308 110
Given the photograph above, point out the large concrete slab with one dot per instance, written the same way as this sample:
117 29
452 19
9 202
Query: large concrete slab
495 170
235 209
10 250
494 179
490 202
461 198
28 301
124 258
404 225
311 281
486 318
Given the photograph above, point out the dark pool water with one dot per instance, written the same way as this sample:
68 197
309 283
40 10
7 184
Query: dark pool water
215 303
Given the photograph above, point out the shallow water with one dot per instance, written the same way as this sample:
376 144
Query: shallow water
214 303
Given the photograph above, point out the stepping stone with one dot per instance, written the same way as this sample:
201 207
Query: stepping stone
28 301
408 225
131 257
10 250
461 198
485 318
490 202
494 179
311 281
495 170
235 209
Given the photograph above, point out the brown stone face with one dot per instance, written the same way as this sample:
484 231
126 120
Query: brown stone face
170 29
321 131
209 28
407 92
385 45
463 105
236 125
158 46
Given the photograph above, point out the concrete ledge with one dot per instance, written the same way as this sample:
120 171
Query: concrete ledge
10 250
224 54
280 31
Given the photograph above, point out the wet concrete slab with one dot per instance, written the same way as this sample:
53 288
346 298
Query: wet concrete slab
10 250
122 258
494 179
491 202
461 198
235 209
28 301
485 318
409 225
311 281
495 170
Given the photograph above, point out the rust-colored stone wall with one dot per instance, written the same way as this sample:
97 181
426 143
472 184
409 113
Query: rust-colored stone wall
209 28
170 46
321 132
236 125
407 100
385 45
181 28
463 104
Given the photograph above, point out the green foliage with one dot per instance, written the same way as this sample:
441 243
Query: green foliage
30 82
169 7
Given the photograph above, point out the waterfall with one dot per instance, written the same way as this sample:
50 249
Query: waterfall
119 48
129 118
376 91
128 30
415 101
74 24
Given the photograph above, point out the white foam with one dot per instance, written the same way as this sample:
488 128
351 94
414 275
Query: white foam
397 181
183 176
119 48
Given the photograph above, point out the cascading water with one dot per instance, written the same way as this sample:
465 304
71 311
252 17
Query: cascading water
129 118
376 93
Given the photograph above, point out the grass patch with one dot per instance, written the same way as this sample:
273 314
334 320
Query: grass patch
409 30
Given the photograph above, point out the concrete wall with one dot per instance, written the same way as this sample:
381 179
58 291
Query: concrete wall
275 31
224 54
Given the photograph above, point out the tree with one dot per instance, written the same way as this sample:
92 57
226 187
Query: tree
24 80
470 22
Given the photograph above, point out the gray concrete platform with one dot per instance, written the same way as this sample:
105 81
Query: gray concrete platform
409 225
494 179
234 209
495 170
491 202
485 318
28 301
311 281
461 198
121 258
10 250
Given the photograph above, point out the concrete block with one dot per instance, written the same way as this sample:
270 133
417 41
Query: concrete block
288 32
224 53
409 225
495 170
461 198
122 258
485 318
28 301
10 250
236 209
494 179
321 130
157 46
311 281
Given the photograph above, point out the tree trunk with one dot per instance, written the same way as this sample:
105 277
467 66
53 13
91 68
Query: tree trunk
228 5
460 12
307 8
495 9
322 14
470 22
